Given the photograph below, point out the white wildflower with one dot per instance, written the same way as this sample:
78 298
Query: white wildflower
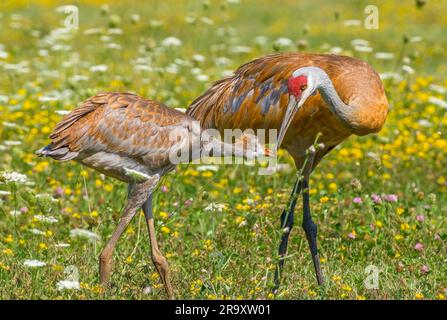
13 177
243 223
391 75
222 61
68 285
12 143
384 55
202 77
62 112
213 206
156 23
99 68
373 156
147 290
439 102
34 263
37 232
437 88
135 17
46 219
105 38
360 42
43 52
115 46
198 58
171 42
425 123
240 49
93 31
82 233
196 71
283 42
46 196
4 99
261 40
62 245
208 168
407 69
336 50
117 31
280 167
15 213
172 68
363 49
207 21
47 98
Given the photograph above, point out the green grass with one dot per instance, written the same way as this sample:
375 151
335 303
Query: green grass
228 254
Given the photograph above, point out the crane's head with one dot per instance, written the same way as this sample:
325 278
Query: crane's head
301 85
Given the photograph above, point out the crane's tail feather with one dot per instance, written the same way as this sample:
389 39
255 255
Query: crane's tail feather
61 154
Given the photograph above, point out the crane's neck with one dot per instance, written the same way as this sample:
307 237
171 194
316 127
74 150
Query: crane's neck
343 112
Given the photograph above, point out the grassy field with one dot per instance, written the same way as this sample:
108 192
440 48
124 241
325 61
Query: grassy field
378 200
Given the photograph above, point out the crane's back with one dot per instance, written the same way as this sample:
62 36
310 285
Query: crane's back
255 96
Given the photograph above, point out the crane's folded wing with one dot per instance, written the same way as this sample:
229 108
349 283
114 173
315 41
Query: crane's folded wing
119 123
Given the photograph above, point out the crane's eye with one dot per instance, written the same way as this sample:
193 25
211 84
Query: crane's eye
303 87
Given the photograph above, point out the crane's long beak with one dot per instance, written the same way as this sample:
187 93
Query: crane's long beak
292 108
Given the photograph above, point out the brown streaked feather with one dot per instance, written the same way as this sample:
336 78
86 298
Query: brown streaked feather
118 123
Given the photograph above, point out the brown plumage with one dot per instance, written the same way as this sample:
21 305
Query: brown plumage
132 139
260 91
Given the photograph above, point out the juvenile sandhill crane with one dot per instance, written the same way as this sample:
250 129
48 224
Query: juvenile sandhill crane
132 139
338 95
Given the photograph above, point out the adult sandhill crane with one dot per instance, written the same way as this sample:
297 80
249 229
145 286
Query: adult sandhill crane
338 95
136 141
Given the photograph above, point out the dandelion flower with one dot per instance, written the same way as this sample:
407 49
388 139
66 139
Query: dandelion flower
419 296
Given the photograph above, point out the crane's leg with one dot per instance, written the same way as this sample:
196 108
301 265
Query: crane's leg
287 218
310 228
138 194
160 262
